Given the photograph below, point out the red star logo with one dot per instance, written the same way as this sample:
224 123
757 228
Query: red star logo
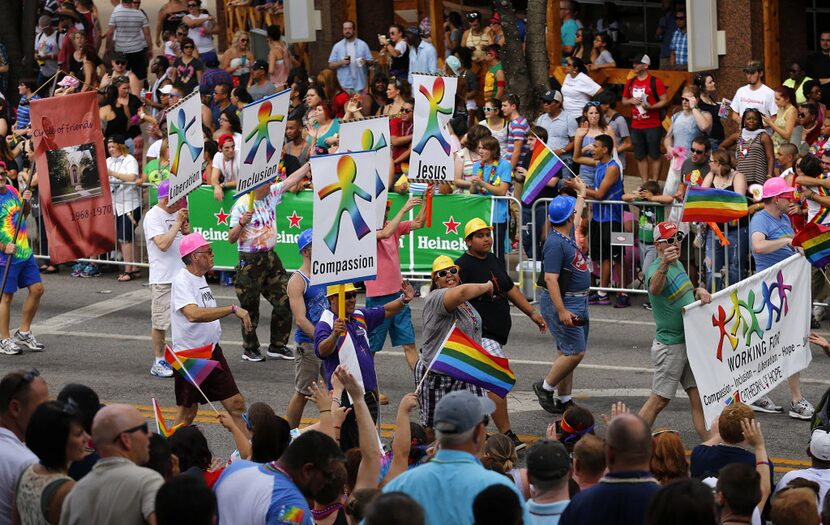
451 226
294 220
221 217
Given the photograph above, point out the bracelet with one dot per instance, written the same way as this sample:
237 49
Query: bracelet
404 300
233 309
325 411
335 400
763 463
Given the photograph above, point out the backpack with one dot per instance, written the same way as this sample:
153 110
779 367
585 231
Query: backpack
653 85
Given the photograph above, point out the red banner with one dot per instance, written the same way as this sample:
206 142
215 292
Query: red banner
72 176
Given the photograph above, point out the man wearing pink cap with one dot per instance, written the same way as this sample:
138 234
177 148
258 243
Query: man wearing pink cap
164 226
194 320
669 290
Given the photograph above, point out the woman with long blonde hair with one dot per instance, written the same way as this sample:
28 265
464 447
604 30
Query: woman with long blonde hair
238 58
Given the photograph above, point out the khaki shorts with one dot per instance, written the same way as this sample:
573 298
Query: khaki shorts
671 367
307 367
160 306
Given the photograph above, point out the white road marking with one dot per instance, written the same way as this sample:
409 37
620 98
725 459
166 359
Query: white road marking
57 323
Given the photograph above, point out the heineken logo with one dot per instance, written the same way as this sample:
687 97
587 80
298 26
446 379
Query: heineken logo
451 226
294 220
221 217
210 234
287 238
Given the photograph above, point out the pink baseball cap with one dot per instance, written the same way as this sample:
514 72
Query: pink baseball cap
192 242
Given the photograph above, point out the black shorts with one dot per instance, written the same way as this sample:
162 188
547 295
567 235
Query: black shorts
126 224
646 140
219 385
600 241
138 63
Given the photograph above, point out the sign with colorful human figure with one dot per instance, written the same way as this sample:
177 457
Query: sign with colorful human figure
186 146
263 134
431 158
371 134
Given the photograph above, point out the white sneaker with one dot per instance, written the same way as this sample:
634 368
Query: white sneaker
766 405
802 410
160 370
9 347
29 341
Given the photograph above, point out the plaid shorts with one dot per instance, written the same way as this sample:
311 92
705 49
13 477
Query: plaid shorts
434 388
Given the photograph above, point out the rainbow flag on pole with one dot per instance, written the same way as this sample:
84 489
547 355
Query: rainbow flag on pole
194 364
544 165
464 359
815 239
161 426
713 205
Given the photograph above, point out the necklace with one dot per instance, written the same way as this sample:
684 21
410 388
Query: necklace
320 514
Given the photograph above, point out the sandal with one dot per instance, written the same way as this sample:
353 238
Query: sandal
135 275
51 269
124 277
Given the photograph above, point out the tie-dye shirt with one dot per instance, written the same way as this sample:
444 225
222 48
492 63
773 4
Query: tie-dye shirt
10 210
260 235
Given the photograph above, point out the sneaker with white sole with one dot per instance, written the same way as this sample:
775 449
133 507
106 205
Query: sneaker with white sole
802 410
9 347
280 352
766 405
252 355
161 369
28 340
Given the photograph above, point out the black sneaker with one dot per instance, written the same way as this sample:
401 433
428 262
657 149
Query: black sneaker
280 352
253 356
560 407
647 306
517 443
545 398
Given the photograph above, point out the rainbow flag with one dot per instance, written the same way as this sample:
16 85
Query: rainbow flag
815 239
462 358
161 426
544 165
713 205
290 514
194 364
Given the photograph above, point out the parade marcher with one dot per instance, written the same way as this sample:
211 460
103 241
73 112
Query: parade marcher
195 323
345 340
164 226
23 270
260 270
669 290
479 265
564 300
307 301
386 286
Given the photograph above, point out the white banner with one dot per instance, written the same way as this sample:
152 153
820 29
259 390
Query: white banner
434 104
751 337
263 133
186 146
345 244
371 134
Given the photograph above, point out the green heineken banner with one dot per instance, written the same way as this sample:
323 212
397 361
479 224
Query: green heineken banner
446 236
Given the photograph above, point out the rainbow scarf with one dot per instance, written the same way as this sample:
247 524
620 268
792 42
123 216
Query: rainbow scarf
194 364
815 239
713 205
544 165
161 426
462 358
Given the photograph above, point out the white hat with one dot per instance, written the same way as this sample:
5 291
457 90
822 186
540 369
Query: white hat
166 89
820 443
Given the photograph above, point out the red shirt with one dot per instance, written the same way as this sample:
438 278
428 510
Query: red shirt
636 88
399 128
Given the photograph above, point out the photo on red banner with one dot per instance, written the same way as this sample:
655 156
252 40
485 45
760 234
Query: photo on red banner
74 188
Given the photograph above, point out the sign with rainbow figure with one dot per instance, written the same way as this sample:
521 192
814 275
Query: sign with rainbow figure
186 146
751 337
431 158
344 243
371 134
263 133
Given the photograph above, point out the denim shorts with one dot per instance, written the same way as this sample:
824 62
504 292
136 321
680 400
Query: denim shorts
399 326
570 340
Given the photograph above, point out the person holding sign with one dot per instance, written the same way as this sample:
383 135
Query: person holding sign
260 270
669 290
195 323
345 340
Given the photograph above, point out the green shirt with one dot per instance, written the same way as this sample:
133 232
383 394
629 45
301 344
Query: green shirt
650 216
154 174
667 307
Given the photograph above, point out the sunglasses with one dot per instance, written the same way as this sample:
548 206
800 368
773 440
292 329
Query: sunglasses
32 373
181 34
187 47
670 241
406 110
802 115
698 151
120 62
209 251
191 6
444 273
491 109
680 18
350 296
594 103
143 428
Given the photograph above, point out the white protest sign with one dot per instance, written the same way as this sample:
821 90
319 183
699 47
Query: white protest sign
186 146
371 134
263 133
434 104
345 244
751 337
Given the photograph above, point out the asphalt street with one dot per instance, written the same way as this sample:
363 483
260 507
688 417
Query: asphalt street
97 332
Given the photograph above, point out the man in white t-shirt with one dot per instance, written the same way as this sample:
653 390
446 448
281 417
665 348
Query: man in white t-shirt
260 271
194 320
819 471
164 226
755 94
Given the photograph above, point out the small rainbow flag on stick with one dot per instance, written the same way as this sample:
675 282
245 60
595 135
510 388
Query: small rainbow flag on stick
815 239
194 364
462 358
161 426
713 205
544 165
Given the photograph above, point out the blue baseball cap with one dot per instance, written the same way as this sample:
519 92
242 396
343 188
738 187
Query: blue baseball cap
304 240
561 208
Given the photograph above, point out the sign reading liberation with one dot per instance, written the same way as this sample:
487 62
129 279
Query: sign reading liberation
434 102
186 146
263 133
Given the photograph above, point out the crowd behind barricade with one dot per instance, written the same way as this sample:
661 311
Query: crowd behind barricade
75 461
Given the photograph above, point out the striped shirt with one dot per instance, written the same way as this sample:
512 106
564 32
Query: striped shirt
516 130
129 27
23 113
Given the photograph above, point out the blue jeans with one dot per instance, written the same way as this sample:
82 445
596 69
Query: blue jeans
738 251
570 340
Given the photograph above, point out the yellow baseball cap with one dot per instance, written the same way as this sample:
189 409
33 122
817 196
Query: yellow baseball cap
473 225
335 289
442 262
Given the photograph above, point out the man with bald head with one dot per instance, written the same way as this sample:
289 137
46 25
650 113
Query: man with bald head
117 490
21 392
623 494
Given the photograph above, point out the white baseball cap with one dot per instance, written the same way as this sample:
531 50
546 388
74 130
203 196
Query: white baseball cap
820 443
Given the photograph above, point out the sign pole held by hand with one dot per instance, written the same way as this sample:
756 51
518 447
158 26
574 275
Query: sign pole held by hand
251 201
341 301
428 204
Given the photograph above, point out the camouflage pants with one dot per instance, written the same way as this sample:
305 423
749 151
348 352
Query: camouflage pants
263 274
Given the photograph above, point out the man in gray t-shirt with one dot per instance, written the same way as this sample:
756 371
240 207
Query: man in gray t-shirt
260 86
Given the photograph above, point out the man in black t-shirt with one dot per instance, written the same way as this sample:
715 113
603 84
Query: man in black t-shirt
479 265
